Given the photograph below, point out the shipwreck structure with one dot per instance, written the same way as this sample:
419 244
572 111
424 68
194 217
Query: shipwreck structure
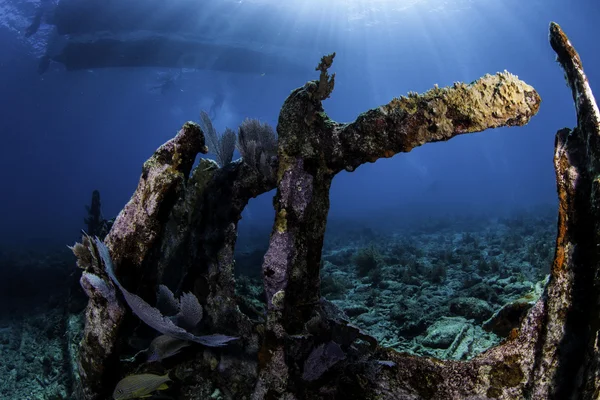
181 225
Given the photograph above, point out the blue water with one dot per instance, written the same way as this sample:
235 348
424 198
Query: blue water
65 134
448 212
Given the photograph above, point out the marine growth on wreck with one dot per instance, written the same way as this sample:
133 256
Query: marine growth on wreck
181 223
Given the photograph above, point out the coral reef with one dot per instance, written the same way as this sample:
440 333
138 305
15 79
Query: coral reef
180 230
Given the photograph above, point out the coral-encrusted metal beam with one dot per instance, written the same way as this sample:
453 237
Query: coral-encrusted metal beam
313 149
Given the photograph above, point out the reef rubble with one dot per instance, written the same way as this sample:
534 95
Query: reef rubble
181 226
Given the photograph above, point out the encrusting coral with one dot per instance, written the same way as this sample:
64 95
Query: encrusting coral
182 228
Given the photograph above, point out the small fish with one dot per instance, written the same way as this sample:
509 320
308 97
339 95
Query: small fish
164 346
141 385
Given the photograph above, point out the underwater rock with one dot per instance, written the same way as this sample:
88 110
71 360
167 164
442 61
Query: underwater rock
444 332
510 315
507 318
471 308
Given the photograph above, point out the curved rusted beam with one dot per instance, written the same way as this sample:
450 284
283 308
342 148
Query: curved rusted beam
313 149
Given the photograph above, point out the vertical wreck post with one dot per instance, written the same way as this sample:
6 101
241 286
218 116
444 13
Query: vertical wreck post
313 149
573 323
133 241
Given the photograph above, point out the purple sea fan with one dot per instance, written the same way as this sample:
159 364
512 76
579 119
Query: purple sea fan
152 316
190 311
166 301
185 312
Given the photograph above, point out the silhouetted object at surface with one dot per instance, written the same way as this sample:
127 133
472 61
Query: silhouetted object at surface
100 34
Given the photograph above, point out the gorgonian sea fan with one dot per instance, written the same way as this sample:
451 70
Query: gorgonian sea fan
152 316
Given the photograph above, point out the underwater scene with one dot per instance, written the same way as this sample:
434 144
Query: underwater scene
260 200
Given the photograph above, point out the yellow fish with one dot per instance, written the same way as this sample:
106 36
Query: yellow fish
141 385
